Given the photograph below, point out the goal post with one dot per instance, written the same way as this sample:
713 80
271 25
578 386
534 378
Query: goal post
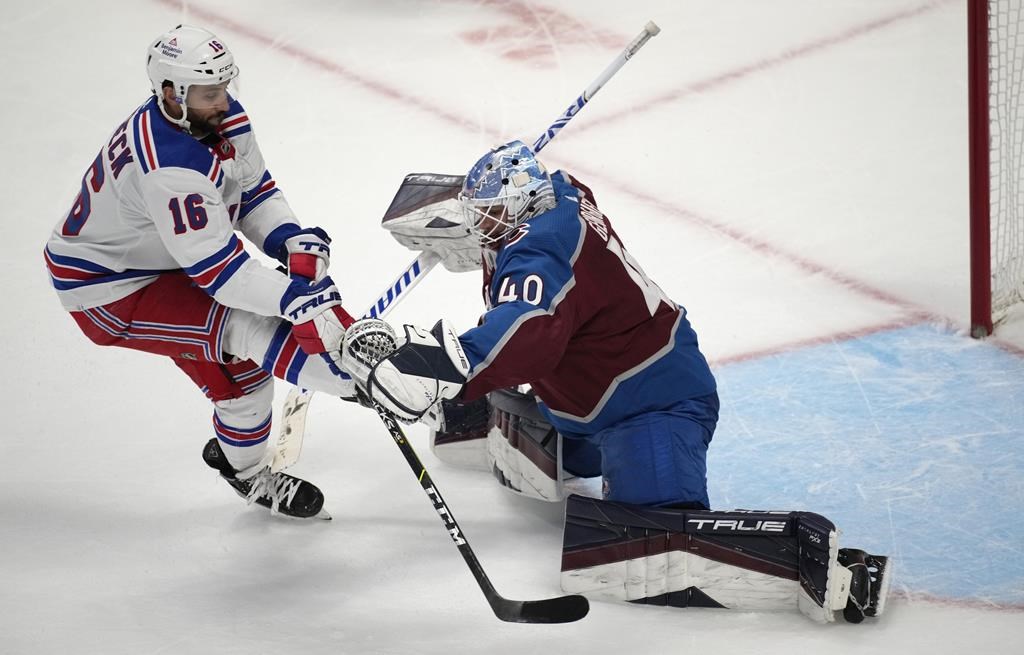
995 83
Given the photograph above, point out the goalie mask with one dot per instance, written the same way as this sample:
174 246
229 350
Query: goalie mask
504 188
188 56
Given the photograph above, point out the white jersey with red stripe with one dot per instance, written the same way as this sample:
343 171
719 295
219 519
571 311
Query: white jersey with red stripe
156 199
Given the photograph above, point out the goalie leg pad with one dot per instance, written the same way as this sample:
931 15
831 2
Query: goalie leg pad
524 450
834 579
506 434
462 438
824 583
664 556
740 559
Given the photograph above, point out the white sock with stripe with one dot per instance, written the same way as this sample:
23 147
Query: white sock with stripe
243 426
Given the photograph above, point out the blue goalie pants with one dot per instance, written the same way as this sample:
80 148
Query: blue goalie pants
654 459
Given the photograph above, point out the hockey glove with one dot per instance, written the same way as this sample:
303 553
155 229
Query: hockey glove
424 369
367 341
317 317
309 254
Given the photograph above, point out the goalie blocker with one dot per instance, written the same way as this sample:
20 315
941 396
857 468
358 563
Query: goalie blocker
741 560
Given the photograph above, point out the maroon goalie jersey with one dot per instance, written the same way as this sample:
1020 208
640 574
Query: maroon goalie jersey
572 313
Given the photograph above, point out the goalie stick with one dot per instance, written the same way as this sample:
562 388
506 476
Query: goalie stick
296 405
650 29
563 609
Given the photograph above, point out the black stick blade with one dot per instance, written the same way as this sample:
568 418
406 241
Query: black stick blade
564 609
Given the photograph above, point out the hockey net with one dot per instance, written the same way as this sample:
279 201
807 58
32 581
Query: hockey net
996 86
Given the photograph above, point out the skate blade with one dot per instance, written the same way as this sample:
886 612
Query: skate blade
322 515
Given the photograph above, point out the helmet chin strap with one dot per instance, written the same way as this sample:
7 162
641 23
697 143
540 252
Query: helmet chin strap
182 122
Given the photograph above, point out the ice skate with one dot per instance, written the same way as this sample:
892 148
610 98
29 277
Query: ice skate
280 492
869 586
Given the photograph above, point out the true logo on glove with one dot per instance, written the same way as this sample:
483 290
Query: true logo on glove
315 301
314 245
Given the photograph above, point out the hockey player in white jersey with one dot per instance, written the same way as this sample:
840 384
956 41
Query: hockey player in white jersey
148 257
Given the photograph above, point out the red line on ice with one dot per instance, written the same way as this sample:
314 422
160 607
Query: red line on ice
915 314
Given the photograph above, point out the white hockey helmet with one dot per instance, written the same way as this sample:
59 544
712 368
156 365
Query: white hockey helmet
504 188
185 56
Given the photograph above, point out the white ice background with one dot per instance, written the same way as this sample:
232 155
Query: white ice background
793 171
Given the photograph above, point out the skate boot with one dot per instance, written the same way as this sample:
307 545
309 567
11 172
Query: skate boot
869 586
280 492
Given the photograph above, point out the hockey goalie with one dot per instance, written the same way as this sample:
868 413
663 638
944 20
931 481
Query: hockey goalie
618 389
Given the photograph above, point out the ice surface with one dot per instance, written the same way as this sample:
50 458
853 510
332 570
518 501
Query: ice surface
794 172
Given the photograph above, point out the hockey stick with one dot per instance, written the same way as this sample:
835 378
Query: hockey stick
403 284
292 430
650 29
563 609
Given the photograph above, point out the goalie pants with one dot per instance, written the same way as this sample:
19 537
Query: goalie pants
231 355
656 458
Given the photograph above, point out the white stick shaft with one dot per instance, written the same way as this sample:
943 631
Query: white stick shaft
650 29
403 284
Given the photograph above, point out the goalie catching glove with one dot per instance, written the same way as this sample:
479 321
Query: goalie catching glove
409 374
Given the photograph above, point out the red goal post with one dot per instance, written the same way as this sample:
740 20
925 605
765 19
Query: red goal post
995 84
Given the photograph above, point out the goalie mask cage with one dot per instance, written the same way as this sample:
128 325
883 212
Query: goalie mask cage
996 154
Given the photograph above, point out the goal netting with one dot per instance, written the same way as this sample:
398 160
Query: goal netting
996 87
